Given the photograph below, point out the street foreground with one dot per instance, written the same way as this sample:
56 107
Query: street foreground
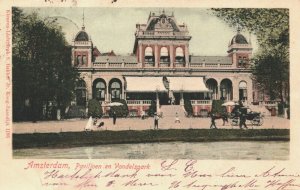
139 124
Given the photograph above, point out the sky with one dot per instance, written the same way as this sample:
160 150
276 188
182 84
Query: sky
114 28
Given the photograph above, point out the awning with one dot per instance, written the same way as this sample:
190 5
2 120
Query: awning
145 84
148 52
179 52
187 84
164 52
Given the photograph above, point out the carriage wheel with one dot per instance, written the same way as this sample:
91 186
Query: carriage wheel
261 121
234 121
258 121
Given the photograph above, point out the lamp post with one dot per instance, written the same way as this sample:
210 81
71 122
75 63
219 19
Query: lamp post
157 100
181 95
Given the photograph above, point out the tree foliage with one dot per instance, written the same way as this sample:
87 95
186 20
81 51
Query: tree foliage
121 111
94 108
271 26
217 107
188 107
42 70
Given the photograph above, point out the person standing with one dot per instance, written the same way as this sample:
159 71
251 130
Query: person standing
156 118
213 122
243 121
114 117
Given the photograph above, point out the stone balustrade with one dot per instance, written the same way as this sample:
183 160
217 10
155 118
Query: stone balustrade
139 102
201 102
162 65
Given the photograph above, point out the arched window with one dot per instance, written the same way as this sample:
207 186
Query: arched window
115 90
99 89
80 93
179 55
243 91
226 89
164 55
149 55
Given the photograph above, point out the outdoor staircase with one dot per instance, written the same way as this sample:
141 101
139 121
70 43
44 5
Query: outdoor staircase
169 115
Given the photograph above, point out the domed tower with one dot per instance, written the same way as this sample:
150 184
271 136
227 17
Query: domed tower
82 49
240 50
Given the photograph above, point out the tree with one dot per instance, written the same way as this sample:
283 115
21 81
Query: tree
42 69
271 26
272 73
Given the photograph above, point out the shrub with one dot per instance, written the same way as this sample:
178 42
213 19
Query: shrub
217 107
121 111
152 108
280 108
188 107
94 108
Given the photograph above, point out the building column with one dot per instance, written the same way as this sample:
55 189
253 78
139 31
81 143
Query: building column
140 53
157 103
123 91
219 92
107 97
249 91
181 98
186 55
171 56
156 55
235 90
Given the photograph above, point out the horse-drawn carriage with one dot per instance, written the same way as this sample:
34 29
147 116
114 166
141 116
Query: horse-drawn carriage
256 118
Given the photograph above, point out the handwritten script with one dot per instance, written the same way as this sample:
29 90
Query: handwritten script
168 174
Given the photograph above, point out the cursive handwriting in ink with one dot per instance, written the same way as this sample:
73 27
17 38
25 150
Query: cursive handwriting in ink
189 170
231 173
175 185
168 166
282 185
279 173
136 182
86 184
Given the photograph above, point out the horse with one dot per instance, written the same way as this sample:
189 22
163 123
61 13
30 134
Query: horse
224 117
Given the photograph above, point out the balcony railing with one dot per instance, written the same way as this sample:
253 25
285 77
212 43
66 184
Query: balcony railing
201 102
162 65
149 64
139 102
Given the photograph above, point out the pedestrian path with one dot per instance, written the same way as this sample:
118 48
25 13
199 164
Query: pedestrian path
139 124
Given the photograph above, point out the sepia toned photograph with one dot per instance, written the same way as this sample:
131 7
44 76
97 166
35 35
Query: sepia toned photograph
150 83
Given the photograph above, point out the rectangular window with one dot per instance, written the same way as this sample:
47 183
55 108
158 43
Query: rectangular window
78 59
84 60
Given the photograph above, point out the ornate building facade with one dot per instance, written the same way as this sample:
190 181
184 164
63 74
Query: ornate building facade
161 69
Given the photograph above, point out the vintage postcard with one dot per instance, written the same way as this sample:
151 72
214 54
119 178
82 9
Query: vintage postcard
149 95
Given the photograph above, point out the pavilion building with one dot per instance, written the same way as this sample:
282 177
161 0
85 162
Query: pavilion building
161 69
